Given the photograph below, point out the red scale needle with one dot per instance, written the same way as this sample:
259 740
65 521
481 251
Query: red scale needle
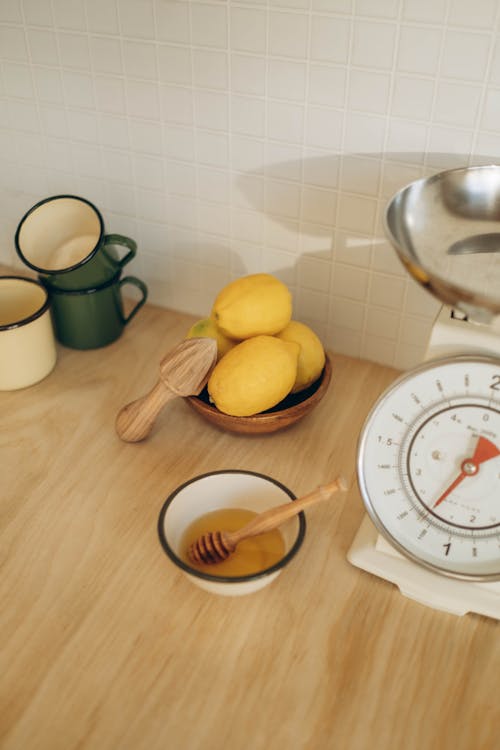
485 450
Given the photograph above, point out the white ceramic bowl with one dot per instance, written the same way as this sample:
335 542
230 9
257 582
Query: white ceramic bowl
227 489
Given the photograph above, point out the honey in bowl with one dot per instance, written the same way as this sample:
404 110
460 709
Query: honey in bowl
250 556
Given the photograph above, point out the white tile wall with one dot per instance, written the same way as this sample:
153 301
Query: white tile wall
252 135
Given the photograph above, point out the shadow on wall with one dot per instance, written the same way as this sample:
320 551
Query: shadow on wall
323 235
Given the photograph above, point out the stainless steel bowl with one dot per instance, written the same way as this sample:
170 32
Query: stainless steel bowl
446 231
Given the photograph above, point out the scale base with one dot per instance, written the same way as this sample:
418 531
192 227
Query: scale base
372 553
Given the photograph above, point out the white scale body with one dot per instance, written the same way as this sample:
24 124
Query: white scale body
456 526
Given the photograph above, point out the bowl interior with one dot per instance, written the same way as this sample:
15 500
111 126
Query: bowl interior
226 489
448 226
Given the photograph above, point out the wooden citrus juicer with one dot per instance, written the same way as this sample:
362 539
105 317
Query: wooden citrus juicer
216 546
184 371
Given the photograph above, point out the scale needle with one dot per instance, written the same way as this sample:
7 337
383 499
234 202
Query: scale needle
485 450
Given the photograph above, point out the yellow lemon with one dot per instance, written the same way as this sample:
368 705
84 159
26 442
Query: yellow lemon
207 328
252 305
312 354
254 376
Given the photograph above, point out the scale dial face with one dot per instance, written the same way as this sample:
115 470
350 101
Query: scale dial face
429 466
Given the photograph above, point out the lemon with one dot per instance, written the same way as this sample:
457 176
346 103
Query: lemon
207 328
252 305
254 375
312 354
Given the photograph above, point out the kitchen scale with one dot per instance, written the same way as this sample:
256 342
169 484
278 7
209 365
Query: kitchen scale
429 451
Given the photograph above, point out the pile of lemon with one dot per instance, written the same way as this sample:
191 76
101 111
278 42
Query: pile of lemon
262 354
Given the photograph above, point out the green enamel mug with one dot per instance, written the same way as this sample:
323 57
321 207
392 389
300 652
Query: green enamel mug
95 317
64 240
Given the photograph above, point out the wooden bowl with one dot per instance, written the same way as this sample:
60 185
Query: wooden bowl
294 407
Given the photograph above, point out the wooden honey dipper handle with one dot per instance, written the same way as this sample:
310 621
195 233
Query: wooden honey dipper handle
274 517
216 546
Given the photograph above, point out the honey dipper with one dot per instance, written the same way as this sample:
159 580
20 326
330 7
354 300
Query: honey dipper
216 546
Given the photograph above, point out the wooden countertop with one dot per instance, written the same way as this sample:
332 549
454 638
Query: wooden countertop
105 645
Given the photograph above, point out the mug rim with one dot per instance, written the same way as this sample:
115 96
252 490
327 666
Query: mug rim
87 290
30 318
75 266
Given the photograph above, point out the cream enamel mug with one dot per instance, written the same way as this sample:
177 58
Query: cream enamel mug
27 344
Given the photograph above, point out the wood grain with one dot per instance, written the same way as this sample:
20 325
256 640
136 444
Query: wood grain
105 645
184 371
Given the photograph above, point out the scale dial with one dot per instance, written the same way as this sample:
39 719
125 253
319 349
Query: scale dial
429 466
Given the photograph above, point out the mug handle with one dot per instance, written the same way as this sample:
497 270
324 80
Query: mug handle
120 239
142 288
